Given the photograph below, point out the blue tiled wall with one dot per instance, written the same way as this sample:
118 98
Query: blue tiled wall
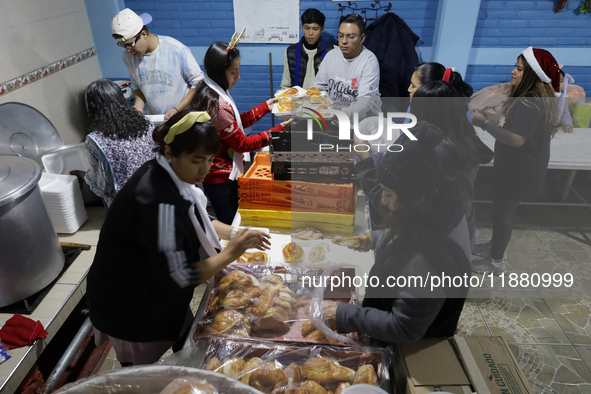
522 23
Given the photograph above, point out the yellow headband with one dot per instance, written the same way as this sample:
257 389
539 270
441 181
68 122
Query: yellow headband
185 124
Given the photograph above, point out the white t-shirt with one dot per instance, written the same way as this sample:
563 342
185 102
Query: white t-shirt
165 75
347 80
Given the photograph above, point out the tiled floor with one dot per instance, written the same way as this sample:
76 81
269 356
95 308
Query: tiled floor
549 330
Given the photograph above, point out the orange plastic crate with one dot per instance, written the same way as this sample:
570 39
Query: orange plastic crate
260 178
256 199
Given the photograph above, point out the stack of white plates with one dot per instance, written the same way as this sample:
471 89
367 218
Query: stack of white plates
63 199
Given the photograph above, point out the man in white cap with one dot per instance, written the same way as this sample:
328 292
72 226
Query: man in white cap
162 70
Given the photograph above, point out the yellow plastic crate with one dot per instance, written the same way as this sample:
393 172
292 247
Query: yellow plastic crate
328 222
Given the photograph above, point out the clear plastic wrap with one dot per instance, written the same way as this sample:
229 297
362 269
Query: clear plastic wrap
317 306
265 302
153 379
278 368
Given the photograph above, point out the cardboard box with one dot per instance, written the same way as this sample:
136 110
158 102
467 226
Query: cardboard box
459 365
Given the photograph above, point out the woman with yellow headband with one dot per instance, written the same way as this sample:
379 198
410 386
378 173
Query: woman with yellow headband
147 261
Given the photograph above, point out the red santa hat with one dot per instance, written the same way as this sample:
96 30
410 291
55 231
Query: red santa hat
545 67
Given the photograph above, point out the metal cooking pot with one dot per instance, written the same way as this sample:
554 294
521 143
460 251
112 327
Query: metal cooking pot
30 253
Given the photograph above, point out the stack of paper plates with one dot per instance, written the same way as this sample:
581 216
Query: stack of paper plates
63 198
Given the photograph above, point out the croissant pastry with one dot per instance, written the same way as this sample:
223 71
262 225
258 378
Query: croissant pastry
307 328
366 374
230 322
232 366
293 253
325 370
294 373
362 241
275 319
266 377
264 302
239 299
250 366
316 334
300 302
213 364
238 279
342 387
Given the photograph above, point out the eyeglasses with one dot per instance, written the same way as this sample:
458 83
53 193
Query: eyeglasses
130 44
349 36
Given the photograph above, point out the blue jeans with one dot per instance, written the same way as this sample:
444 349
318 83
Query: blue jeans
224 199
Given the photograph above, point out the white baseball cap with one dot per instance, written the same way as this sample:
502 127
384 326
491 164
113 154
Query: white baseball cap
128 24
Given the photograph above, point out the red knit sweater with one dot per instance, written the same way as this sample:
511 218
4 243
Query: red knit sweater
233 137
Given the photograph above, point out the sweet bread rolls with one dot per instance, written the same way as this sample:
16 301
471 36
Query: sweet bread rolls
366 374
342 387
293 253
266 377
250 366
213 364
307 328
362 241
325 370
232 366
230 322
294 373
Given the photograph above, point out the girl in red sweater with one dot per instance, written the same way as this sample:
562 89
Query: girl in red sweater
223 71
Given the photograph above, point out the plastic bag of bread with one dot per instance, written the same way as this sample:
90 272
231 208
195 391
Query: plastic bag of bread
275 368
158 379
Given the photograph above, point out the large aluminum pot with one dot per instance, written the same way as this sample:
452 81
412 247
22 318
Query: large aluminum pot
30 253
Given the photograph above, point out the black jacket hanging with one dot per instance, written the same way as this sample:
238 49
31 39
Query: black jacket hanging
393 43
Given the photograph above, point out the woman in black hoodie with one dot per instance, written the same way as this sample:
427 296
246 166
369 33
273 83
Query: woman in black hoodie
426 236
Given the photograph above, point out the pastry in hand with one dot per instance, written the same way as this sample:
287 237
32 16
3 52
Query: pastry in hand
230 322
366 374
342 387
293 253
361 241
267 377
325 370
255 257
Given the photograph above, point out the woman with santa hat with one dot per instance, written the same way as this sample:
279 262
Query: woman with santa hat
522 148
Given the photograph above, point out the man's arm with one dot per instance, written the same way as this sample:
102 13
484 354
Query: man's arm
140 100
286 79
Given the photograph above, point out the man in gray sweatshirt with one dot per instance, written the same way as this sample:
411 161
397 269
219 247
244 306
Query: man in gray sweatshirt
352 72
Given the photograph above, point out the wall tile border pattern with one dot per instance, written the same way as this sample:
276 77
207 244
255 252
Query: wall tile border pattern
35 75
